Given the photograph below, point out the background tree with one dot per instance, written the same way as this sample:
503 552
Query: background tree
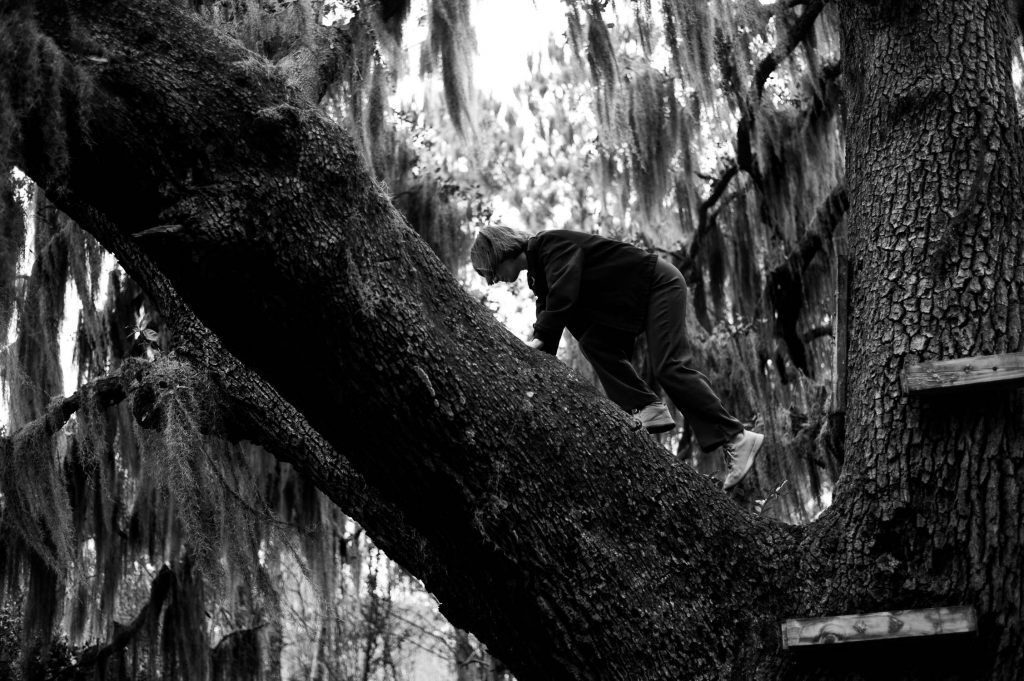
258 208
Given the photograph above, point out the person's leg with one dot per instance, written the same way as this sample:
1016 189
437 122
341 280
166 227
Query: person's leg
609 351
670 355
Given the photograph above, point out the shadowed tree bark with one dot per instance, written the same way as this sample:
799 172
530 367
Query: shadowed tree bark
572 545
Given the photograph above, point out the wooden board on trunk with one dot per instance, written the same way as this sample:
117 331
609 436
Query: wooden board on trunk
988 371
878 626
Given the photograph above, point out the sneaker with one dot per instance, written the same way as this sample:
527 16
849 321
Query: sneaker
740 453
655 418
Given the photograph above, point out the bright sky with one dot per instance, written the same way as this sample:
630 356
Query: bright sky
507 33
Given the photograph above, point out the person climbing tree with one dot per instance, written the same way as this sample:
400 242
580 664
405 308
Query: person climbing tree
606 293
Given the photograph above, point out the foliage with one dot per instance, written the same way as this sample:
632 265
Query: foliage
12 240
601 139
451 41
91 509
39 85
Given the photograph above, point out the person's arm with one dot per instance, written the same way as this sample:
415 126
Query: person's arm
563 269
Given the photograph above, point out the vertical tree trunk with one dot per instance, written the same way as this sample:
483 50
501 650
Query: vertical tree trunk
930 495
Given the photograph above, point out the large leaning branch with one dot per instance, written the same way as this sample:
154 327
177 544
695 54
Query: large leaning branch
498 458
257 412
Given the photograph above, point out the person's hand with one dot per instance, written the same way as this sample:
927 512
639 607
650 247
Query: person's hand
535 343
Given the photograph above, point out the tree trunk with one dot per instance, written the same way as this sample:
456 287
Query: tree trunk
929 502
572 545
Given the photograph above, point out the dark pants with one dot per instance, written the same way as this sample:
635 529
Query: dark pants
609 351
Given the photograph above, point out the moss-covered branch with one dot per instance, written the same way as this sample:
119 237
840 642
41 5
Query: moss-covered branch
251 409
108 390
499 459
797 33
93 662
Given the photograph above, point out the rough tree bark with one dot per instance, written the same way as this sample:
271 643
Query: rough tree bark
572 545
931 496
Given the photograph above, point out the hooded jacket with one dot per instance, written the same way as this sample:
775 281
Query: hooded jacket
583 279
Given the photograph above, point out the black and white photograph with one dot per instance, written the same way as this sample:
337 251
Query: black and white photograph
511 340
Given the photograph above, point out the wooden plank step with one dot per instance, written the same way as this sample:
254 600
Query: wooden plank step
984 371
877 626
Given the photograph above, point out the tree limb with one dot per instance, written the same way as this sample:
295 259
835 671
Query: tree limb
718 188
109 389
828 216
255 411
495 455
784 285
96 657
744 161
744 128
796 34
